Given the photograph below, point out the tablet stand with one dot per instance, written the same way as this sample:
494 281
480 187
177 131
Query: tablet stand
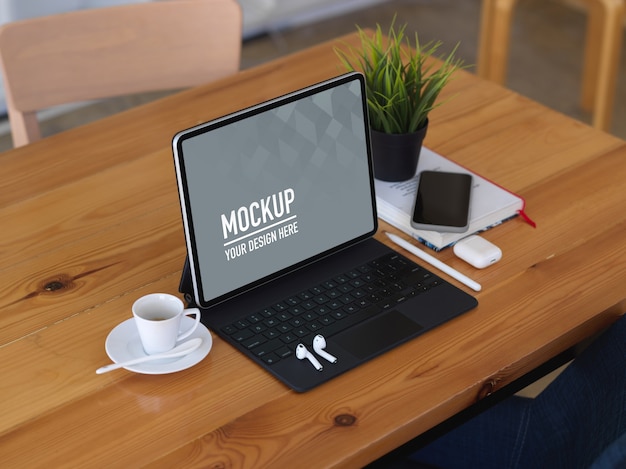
186 286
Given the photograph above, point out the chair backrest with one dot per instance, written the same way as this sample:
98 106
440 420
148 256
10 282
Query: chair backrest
106 52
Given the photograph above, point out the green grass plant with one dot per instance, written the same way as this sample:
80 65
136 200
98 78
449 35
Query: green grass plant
402 83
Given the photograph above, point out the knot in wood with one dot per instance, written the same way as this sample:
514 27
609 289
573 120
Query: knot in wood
53 286
345 420
487 389
59 282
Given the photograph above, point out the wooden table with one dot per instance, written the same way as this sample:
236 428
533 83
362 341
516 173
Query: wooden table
90 221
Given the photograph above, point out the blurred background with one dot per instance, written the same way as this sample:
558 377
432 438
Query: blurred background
545 59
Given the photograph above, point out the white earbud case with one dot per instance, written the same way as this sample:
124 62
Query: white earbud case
477 251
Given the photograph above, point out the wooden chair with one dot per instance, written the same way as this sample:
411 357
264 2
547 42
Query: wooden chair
601 56
106 52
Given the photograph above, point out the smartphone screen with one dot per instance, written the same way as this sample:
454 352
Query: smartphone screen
442 201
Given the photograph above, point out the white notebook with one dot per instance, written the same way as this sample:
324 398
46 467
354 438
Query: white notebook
490 205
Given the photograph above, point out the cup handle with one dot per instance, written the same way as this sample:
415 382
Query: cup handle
188 332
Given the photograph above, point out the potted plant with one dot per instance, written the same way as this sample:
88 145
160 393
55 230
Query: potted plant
402 86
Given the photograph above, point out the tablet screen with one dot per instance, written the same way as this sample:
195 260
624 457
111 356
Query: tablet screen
271 188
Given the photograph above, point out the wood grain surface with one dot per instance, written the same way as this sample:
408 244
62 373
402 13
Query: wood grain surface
90 221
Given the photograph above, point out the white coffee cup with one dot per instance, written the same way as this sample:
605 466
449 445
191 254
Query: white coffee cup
158 317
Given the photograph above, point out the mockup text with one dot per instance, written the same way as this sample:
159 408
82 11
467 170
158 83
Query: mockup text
259 224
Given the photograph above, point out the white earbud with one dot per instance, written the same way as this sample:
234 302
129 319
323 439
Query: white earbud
302 352
319 344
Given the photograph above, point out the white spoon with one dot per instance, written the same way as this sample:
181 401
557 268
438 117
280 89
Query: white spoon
180 350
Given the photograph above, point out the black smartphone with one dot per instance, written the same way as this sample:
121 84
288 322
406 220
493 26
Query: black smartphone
442 201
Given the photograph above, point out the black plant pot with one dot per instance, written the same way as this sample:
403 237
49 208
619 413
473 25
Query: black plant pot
395 156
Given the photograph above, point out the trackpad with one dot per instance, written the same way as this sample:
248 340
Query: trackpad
377 335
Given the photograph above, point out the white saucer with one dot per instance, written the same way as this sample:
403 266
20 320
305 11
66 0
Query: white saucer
123 344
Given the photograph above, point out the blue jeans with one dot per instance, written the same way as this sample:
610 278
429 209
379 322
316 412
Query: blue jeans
578 421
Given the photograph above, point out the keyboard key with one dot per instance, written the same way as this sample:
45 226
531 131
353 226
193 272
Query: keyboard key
279 307
271 322
368 278
270 358
264 348
338 314
357 282
320 299
333 294
335 304
272 333
289 338
345 288
254 318
309 316
258 328
305 295
297 322
326 320
292 301
301 331
308 304
253 342
242 324
340 279
284 352
296 310
322 310
240 336
284 316
346 299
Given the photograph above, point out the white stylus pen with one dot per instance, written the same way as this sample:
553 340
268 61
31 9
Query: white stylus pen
434 262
